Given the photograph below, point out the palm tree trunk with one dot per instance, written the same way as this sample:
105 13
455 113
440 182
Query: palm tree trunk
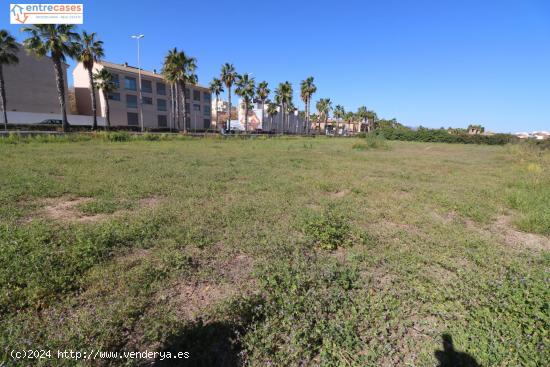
94 105
283 118
177 105
217 112
183 107
172 109
61 91
3 98
107 112
246 116
263 115
229 109
308 127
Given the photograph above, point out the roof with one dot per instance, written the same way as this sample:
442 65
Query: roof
133 69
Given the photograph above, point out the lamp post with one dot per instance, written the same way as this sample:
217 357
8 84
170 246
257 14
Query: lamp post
140 109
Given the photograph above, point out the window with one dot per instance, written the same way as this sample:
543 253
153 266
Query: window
114 96
206 96
187 92
147 100
116 81
196 107
207 110
146 86
161 89
187 107
130 83
206 123
161 104
132 118
131 101
163 121
196 95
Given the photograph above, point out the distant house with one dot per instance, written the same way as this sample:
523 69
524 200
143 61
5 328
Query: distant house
540 135
475 129
537 135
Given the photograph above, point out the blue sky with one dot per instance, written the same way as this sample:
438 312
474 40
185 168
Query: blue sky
432 63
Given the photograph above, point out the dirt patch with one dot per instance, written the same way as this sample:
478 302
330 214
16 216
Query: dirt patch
193 300
65 209
380 278
340 254
339 194
230 276
502 230
440 274
133 257
517 239
447 218
149 202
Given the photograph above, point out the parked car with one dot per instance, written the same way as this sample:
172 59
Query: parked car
51 122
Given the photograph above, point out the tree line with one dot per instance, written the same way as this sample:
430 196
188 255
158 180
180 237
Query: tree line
62 41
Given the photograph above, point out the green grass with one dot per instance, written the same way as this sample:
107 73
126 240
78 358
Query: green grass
287 251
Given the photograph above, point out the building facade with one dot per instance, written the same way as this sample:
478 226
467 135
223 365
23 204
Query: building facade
31 86
155 96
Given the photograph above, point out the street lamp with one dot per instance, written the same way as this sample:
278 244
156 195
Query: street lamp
140 109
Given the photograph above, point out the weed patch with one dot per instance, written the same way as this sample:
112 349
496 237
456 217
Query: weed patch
328 230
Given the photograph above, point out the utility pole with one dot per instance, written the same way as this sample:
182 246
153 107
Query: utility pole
140 107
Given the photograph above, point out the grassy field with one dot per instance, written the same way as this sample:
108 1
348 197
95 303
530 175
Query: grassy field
282 252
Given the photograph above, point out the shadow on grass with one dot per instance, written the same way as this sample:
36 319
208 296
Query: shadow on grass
211 344
449 357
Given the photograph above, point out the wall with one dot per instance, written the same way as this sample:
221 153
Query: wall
30 84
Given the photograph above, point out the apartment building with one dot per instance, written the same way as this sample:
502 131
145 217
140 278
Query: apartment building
155 95
31 86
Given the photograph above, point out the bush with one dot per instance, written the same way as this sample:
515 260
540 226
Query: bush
117 136
442 136
372 142
328 230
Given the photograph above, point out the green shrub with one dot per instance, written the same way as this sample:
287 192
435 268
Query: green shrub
328 230
372 142
151 137
118 136
442 136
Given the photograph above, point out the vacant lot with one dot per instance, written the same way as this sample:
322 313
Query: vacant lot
282 252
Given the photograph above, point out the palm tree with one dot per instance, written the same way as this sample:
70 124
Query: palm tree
170 75
362 115
290 108
91 50
339 113
8 56
228 76
216 87
272 112
104 82
262 92
58 41
185 74
307 88
324 105
245 89
283 96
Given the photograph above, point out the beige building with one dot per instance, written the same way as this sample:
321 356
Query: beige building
155 93
31 86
